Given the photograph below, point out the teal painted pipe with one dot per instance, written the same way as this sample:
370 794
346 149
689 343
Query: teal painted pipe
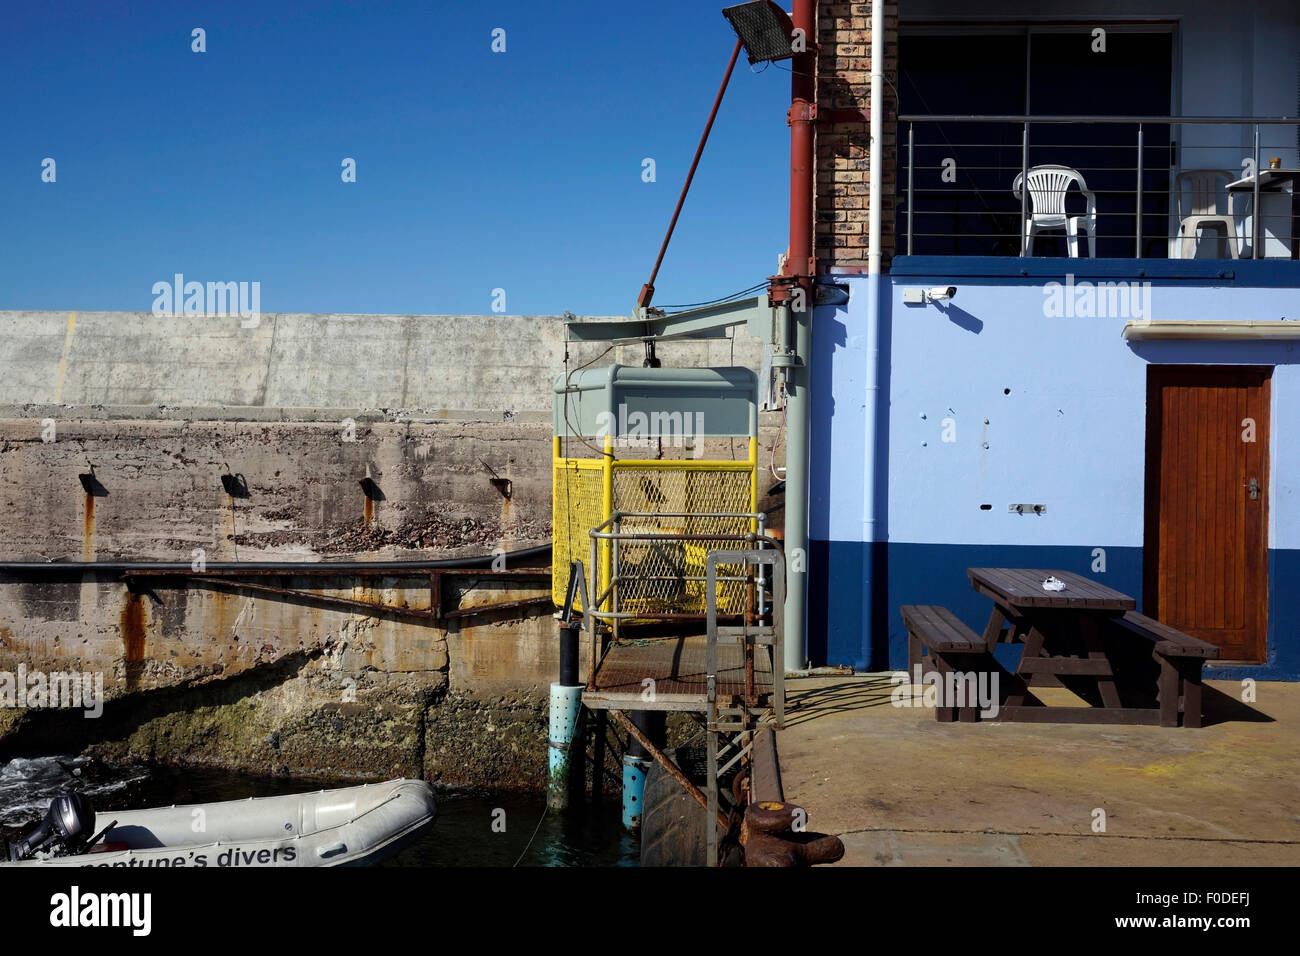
634 771
636 764
565 746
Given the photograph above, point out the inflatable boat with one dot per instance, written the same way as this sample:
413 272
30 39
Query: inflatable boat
353 826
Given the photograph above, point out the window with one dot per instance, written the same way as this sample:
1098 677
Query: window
963 204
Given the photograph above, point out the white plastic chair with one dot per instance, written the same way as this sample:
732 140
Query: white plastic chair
1204 187
1047 188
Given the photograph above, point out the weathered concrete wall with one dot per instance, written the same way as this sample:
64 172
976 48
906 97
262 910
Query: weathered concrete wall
158 490
208 677
162 408
243 679
438 365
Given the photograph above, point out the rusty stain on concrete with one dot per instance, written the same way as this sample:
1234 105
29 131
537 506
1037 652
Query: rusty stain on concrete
88 529
133 639
220 625
62 372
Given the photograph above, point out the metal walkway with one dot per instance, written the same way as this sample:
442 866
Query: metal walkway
731 677
671 673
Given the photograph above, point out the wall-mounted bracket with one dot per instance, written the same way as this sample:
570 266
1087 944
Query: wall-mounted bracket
708 322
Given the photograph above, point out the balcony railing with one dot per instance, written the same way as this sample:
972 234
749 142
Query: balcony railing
1141 182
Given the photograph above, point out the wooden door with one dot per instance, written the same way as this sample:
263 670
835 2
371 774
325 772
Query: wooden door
1206 548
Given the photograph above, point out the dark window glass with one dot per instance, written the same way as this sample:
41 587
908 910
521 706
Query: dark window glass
977 214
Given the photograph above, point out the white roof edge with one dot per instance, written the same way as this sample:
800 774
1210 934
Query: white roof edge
1244 329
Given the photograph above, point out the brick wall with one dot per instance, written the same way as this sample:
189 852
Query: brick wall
844 139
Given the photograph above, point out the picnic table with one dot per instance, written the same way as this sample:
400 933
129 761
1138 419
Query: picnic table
1084 636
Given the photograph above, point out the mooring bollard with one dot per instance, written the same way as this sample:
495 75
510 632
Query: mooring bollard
636 763
565 780
773 834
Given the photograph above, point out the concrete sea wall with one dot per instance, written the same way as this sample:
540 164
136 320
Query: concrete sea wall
133 437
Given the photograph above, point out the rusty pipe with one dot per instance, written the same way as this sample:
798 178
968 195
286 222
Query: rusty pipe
803 112
673 770
648 290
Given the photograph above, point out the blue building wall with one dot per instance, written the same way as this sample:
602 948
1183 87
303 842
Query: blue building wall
1043 409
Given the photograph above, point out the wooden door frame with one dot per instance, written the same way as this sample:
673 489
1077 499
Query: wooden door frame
1157 375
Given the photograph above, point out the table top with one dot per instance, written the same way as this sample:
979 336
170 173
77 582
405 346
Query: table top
1269 179
1023 588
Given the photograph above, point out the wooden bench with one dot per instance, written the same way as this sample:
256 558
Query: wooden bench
951 646
1180 657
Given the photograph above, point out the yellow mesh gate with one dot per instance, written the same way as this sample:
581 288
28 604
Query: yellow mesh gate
684 495
577 506
666 577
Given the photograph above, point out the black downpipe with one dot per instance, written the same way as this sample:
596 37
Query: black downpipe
652 723
569 632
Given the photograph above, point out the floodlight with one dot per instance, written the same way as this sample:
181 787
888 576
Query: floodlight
764 29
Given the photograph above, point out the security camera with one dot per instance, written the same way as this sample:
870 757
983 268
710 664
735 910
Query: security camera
937 293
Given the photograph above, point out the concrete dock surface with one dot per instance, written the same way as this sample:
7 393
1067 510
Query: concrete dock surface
902 789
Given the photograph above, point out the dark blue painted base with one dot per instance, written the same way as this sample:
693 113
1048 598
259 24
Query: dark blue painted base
851 583
1003 270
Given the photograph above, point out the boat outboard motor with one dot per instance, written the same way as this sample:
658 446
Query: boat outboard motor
65 831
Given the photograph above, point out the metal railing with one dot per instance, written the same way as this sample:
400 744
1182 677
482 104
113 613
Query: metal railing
1131 163
658 575
758 632
662 575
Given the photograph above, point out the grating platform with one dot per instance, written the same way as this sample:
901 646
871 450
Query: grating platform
678 667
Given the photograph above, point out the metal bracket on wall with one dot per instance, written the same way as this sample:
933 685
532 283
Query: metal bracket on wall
1022 509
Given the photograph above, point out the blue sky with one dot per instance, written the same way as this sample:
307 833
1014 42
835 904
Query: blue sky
475 170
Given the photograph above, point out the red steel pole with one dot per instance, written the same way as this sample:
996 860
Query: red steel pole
648 290
803 111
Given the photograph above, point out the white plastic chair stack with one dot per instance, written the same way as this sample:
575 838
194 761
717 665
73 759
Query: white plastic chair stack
1047 188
